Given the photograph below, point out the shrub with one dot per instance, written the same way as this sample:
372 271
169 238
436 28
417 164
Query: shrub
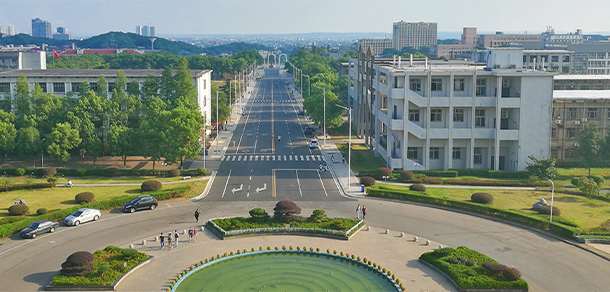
81 172
482 198
259 215
417 187
201 171
493 269
151 186
112 171
286 211
606 225
432 180
511 274
78 264
598 179
574 181
42 211
49 171
337 225
367 181
317 216
383 171
174 172
406 176
84 197
129 253
19 171
18 210
547 210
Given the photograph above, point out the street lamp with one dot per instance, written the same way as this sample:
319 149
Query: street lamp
308 86
42 152
217 122
552 195
349 147
324 98
385 179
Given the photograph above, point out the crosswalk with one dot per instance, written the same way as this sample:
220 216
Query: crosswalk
275 100
259 158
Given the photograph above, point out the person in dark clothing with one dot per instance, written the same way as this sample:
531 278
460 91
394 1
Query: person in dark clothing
197 215
162 240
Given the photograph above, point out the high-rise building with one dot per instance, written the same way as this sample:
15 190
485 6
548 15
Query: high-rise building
378 44
145 30
469 36
62 34
138 30
151 31
7 30
41 28
414 34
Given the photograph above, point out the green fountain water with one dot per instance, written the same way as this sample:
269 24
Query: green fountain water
286 271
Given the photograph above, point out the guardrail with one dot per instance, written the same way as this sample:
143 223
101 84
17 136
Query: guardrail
283 229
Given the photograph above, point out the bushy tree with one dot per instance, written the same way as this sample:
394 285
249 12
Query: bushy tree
588 187
286 211
259 215
543 168
62 140
588 146
317 216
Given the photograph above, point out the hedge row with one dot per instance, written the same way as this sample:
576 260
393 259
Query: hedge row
510 215
58 215
76 172
452 173
26 187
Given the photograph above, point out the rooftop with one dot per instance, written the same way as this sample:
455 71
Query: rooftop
90 73
581 94
582 77
547 52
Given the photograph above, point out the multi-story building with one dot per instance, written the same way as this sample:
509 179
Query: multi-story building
549 36
138 30
422 114
500 39
62 34
551 60
23 60
151 31
7 31
414 34
378 44
455 51
145 30
41 28
67 82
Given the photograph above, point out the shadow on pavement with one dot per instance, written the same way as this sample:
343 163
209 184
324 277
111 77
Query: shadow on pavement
41 279
430 273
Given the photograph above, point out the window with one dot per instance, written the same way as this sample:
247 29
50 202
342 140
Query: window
566 58
478 155
572 113
481 87
593 113
412 152
75 87
43 86
93 86
414 115
59 87
554 58
436 115
111 87
458 114
553 133
571 133
479 118
437 84
5 87
415 84
458 84
457 153
435 152
206 80
607 110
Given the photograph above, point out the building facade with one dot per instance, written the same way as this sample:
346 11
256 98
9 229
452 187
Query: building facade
435 115
41 28
500 39
7 31
23 60
67 82
62 34
414 34
551 60
378 44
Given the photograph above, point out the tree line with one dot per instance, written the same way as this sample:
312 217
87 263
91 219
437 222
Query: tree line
161 121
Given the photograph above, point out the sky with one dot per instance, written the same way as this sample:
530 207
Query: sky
85 18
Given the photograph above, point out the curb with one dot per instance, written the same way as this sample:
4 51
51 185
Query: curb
207 188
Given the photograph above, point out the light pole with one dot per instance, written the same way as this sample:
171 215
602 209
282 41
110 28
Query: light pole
42 153
385 179
205 150
552 195
308 86
349 147
324 98
217 122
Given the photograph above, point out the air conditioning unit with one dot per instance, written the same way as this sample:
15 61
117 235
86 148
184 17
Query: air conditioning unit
576 122
505 114
558 122
513 66
584 120
576 144
497 66
505 83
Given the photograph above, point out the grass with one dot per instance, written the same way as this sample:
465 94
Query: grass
586 213
341 132
362 158
574 172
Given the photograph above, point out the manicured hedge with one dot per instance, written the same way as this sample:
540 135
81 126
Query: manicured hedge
438 173
417 188
482 198
26 187
510 215
84 197
483 182
110 172
488 173
367 181
151 186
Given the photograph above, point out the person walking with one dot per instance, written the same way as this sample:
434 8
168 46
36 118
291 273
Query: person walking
197 216
363 211
195 234
320 167
343 160
162 240
191 234
358 211
332 158
169 241
176 238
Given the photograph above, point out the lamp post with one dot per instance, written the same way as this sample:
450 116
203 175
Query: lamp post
42 153
324 98
349 147
552 195
217 122
308 86
385 179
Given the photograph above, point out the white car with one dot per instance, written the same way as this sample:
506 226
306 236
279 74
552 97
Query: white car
83 215
313 144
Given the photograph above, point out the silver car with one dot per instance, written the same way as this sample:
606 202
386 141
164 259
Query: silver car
83 215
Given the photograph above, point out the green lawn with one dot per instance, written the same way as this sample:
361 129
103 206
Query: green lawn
586 213
362 158
573 172
341 132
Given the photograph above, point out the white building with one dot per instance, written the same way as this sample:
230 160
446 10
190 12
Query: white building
378 44
62 82
23 60
434 115
560 60
7 31
414 34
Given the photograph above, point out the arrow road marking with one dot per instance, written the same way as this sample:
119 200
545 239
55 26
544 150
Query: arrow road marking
237 190
261 189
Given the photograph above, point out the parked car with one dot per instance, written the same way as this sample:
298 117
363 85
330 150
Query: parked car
39 227
313 144
140 203
83 215
309 130
301 113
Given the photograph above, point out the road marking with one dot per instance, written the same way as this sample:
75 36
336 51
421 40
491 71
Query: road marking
298 182
285 158
273 183
233 158
239 158
302 159
241 187
226 184
322 183
273 157
168 205
307 157
250 158
256 158
290 156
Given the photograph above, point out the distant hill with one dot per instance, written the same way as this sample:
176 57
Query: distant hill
131 41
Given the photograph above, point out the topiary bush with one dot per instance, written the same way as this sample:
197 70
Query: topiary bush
383 171
494 269
259 215
174 172
78 264
286 211
129 253
547 210
598 179
417 188
406 176
574 181
201 171
84 197
19 171
42 211
49 171
18 210
317 216
482 198
511 274
367 181
151 186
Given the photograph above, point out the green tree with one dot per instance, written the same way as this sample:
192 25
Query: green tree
121 80
133 88
7 139
121 142
543 168
22 101
150 88
29 142
153 140
588 146
259 215
588 187
604 149
223 110
48 110
314 106
183 83
183 130
61 140
93 147
102 87
84 88
167 86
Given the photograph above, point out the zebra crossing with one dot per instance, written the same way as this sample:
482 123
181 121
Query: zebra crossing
274 100
258 158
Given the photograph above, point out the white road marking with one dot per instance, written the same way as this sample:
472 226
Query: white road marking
298 182
226 184
322 183
168 205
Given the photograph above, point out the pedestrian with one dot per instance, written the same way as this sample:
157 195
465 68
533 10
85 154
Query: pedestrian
343 160
176 237
191 234
162 240
363 211
358 211
320 167
195 234
169 241
326 168
279 138
332 158
197 215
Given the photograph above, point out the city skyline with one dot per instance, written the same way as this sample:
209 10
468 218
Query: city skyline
93 17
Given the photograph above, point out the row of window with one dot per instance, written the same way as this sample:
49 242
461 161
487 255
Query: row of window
570 133
456 153
458 85
546 58
436 115
575 113
58 87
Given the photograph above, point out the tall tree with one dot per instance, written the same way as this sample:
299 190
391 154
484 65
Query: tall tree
588 146
93 147
543 168
121 80
61 140
183 128
102 86
121 142
166 85
22 101
150 88
133 88
7 138
183 82
83 88
30 144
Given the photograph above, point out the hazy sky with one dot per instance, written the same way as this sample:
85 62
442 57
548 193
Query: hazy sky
92 17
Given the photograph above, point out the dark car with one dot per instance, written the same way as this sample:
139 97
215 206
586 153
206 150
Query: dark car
140 203
301 113
309 131
39 227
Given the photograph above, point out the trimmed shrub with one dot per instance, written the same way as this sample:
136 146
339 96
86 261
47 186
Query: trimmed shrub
129 253
112 171
547 210
317 216
482 198
598 179
151 186
406 176
574 181
78 264
367 181
432 180
494 269
286 211
49 171
84 197
606 225
201 171
174 172
383 171
259 215
42 211
18 210
438 173
417 187
81 172
511 274
19 171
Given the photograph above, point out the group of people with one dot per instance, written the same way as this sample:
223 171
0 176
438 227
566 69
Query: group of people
172 239
322 167
360 210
